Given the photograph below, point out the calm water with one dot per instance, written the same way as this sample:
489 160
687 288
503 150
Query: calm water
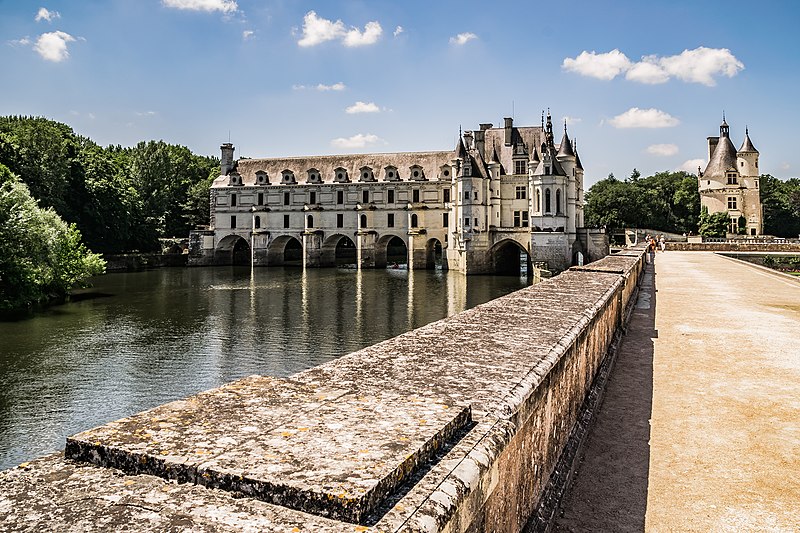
142 339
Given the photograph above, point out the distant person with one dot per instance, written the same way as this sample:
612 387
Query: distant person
651 249
663 243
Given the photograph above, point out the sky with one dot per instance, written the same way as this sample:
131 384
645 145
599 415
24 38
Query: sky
641 84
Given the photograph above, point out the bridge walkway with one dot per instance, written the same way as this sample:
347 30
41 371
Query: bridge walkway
700 425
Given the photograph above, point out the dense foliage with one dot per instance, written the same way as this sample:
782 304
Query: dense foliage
781 203
667 201
41 256
713 224
121 199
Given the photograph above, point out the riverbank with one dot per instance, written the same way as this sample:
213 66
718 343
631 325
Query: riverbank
142 261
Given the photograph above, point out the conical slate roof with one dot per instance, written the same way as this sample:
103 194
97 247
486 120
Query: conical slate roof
722 160
461 151
565 149
747 145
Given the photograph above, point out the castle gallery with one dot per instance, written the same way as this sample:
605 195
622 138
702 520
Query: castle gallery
504 195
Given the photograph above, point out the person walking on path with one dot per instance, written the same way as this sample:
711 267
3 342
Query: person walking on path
662 242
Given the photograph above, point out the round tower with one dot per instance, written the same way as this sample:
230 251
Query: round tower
747 157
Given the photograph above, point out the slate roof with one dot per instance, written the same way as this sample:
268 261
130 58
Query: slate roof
722 160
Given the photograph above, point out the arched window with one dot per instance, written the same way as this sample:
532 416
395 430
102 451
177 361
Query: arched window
547 200
414 221
558 201
310 220
538 201
257 222
363 221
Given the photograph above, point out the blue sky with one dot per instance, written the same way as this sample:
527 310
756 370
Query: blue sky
644 83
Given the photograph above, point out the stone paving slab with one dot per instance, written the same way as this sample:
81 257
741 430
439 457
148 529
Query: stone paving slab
330 452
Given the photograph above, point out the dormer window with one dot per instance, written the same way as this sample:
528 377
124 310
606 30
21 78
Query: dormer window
390 173
340 175
417 173
444 171
520 166
262 178
287 178
234 178
365 174
314 176
732 178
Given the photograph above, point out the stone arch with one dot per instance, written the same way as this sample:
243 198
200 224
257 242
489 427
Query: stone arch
232 250
285 250
510 257
338 249
434 254
389 251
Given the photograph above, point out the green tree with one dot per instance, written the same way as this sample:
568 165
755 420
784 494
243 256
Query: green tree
713 224
41 256
780 201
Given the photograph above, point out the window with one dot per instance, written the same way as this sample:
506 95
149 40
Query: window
339 197
312 197
285 221
365 197
466 221
524 219
286 198
390 220
547 200
466 195
257 222
233 200
233 221
414 221
476 196
415 196
520 219
363 221
339 220
261 198
390 196
520 192
734 227
538 201
558 201
731 202
310 221
341 175
520 167
446 193
732 180
475 223
445 220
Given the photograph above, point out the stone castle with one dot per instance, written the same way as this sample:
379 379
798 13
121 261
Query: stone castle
505 196
730 182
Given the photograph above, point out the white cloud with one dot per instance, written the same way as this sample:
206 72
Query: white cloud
362 107
317 30
647 71
360 140
602 66
52 46
398 30
691 165
463 38
785 166
225 6
644 118
92 116
146 113
247 34
46 14
572 120
335 87
702 64
370 35
662 149
25 41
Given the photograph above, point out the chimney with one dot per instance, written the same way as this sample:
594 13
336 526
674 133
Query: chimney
480 141
712 144
509 124
468 140
226 162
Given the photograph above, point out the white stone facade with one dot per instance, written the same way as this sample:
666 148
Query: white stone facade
502 190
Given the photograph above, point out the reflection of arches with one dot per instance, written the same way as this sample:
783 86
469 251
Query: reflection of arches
433 254
390 249
232 250
510 257
285 251
338 250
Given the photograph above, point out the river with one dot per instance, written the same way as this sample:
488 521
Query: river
137 340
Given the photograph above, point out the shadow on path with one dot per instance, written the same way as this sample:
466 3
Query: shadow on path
609 488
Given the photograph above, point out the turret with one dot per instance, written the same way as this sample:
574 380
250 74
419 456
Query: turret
748 155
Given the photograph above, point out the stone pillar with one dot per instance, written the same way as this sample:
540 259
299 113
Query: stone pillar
312 248
260 242
365 249
416 251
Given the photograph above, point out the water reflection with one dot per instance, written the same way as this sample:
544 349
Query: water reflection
168 333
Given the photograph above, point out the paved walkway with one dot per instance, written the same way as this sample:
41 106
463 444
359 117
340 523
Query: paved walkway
700 426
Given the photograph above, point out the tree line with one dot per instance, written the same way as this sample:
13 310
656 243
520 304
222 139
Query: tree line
63 197
670 202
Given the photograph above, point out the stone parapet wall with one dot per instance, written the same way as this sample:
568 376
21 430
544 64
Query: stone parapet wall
521 364
733 247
